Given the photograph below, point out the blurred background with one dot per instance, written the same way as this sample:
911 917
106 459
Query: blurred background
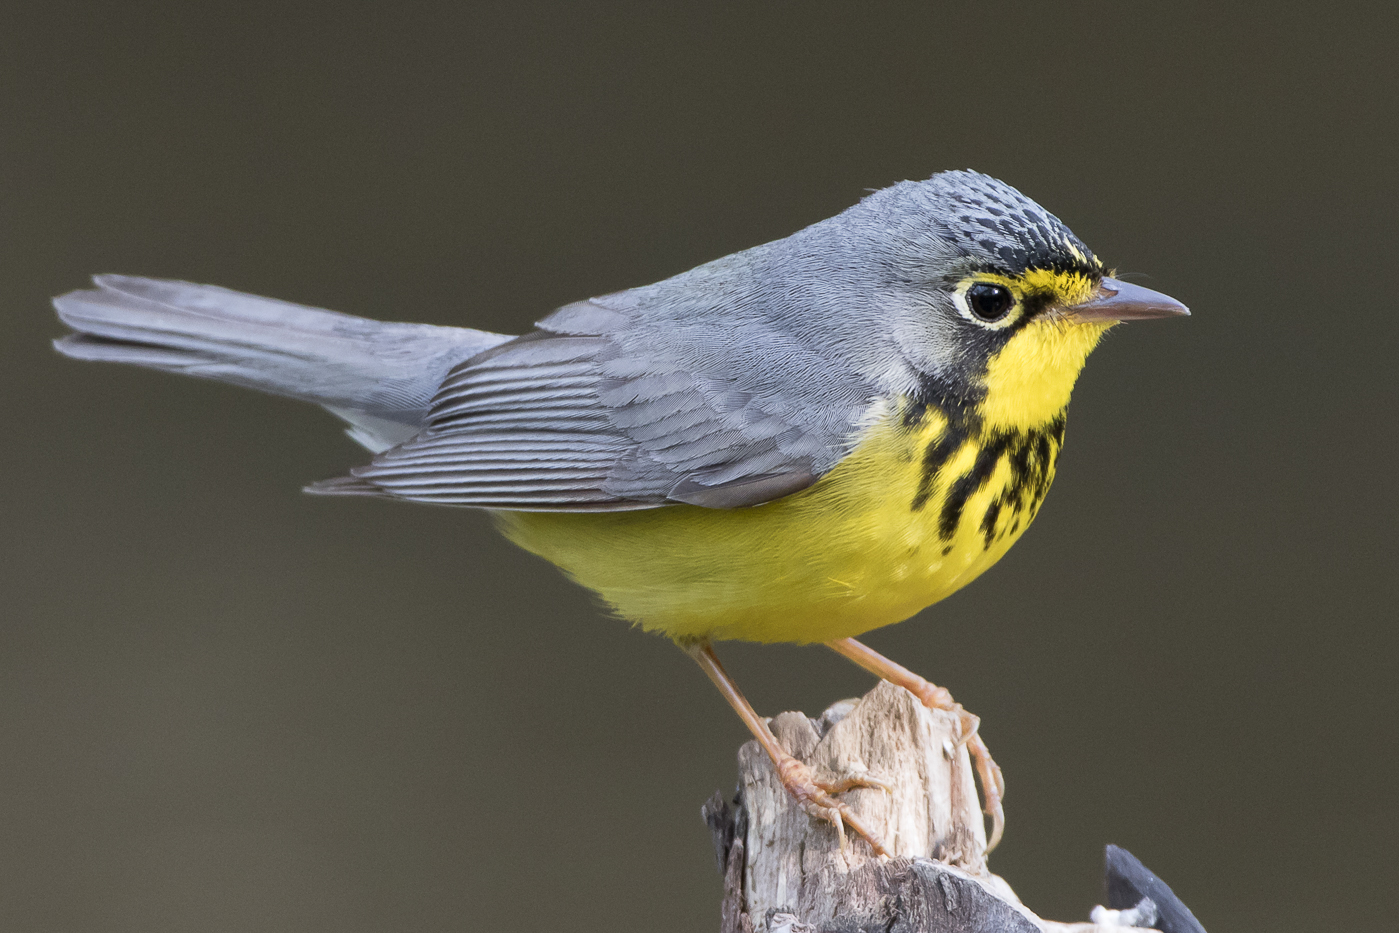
228 706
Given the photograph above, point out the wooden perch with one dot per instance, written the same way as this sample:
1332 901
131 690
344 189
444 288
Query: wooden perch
785 872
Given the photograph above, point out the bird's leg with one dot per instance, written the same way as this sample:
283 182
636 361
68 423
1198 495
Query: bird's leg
993 783
813 795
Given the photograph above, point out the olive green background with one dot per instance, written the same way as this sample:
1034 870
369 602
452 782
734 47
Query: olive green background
225 706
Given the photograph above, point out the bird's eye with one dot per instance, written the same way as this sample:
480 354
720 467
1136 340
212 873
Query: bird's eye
989 302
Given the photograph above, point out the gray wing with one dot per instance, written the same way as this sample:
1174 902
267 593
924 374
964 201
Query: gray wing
629 401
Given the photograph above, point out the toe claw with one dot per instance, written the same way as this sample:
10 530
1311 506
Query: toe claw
993 782
850 782
971 725
998 827
993 788
993 785
833 816
815 798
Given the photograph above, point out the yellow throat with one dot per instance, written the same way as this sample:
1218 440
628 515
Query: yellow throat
924 503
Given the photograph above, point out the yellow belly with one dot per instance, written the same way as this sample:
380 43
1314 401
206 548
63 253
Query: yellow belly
870 544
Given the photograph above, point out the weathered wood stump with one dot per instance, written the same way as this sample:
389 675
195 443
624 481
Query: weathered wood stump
785 872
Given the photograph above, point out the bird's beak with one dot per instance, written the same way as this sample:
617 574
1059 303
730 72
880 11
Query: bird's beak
1121 301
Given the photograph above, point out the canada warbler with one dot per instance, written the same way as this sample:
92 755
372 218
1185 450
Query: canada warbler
799 442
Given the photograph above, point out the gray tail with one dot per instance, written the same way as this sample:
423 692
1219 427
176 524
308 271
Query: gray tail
380 377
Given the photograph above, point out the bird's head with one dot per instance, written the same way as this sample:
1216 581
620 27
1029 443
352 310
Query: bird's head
994 303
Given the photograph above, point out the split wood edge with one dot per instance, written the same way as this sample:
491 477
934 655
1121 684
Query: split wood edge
785 872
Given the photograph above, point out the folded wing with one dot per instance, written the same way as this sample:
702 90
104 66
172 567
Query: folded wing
606 410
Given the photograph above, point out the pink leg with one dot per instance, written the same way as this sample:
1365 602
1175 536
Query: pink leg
814 796
993 783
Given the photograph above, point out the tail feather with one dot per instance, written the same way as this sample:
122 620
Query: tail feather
344 486
380 377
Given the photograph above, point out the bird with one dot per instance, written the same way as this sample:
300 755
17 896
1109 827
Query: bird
799 442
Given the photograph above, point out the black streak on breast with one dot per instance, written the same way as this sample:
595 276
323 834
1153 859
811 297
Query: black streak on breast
962 488
1030 454
935 455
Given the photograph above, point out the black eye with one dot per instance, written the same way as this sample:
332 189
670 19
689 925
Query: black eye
989 302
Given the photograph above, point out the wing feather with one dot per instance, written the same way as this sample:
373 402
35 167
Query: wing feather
621 419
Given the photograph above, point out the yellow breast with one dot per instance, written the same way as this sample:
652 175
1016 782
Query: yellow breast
916 512
920 508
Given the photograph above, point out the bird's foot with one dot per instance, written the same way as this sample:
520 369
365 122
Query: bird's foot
993 782
816 798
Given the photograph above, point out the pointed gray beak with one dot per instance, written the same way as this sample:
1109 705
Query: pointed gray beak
1121 301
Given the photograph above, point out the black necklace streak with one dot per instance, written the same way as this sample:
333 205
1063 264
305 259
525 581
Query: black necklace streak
1031 454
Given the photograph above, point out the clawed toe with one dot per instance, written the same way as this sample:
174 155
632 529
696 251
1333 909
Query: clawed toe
815 798
993 782
993 788
853 781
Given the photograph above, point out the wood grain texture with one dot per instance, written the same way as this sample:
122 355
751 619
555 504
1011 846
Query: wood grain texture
785 872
